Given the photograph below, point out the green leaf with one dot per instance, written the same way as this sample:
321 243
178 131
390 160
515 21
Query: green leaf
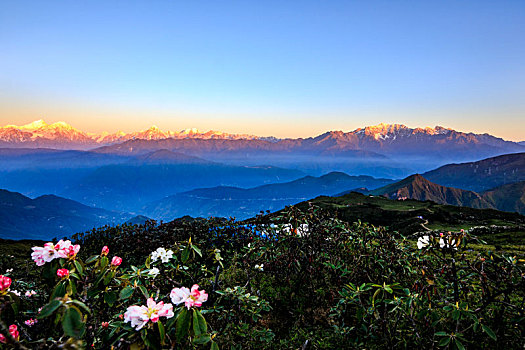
100 277
59 291
197 250
374 296
72 323
144 291
201 339
126 292
91 259
74 275
459 345
72 290
444 341
81 305
148 262
489 331
162 332
214 346
108 277
110 298
104 262
456 314
388 289
441 334
199 323
183 325
185 255
14 306
79 268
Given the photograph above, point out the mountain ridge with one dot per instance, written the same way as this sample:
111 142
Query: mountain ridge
50 215
247 202
369 138
481 175
508 197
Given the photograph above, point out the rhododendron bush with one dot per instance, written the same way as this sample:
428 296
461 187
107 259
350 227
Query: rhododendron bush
97 302
266 283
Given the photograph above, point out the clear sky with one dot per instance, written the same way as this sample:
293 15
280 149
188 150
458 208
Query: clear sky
282 68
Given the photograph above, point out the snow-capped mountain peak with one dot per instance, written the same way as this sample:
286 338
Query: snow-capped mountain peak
37 124
190 131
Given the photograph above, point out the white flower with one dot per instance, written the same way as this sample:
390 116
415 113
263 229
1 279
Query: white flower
161 254
259 267
179 295
154 272
15 292
443 243
423 242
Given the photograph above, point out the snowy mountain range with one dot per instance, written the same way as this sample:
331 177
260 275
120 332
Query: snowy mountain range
390 140
63 136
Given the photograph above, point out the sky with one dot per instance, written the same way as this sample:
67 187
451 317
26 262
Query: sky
281 68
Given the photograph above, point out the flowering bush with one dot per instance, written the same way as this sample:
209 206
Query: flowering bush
87 295
210 283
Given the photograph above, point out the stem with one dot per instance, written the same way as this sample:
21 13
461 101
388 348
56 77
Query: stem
455 280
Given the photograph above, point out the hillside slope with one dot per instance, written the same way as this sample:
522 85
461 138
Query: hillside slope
49 216
509 197
481 175
419 188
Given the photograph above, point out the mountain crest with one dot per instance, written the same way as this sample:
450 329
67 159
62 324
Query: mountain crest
419 188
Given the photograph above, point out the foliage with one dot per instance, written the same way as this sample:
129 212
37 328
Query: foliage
303 279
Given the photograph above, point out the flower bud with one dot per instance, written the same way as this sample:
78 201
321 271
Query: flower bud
116 261
5 282
63 273
105 250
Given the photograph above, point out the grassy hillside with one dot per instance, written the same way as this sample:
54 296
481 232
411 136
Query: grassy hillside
410 216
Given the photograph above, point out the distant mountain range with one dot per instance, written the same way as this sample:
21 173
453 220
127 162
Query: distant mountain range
49 216
391 150
510 197
224 201
374 141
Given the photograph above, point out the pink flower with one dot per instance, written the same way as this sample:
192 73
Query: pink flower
5 282
38 255
195 297
50 251
13 330
30 322
138 316
63 273
72 251
105 250
30 293
199 296
116 261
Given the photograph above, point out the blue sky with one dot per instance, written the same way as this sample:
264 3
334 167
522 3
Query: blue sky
294 68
